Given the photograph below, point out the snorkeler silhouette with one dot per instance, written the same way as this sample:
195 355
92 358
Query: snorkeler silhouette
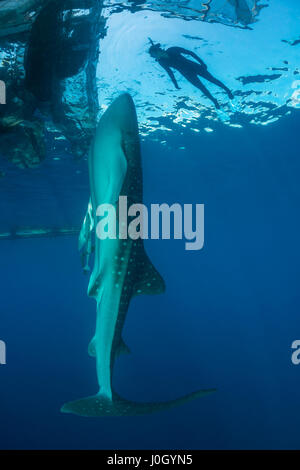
173 58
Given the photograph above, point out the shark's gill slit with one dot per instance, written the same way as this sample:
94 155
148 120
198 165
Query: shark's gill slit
121 268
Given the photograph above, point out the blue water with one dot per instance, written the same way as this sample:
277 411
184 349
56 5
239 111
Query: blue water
227 319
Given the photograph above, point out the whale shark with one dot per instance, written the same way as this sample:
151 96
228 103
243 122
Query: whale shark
121 267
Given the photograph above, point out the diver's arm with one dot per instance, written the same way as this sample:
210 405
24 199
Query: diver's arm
192 54
171 75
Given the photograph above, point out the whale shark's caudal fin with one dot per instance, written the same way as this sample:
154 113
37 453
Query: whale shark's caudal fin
98 405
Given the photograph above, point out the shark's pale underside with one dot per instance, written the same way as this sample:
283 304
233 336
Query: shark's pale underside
121 268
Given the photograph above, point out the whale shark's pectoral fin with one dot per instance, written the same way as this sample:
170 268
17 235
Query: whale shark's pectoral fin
92 347
149 281
99 405
122 348
85 245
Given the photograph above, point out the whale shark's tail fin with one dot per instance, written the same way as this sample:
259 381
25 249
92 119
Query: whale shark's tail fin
99 405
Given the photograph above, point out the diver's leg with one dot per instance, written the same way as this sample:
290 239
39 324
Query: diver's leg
208 76
194 80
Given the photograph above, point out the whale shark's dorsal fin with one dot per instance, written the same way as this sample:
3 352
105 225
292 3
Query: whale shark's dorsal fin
149 281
